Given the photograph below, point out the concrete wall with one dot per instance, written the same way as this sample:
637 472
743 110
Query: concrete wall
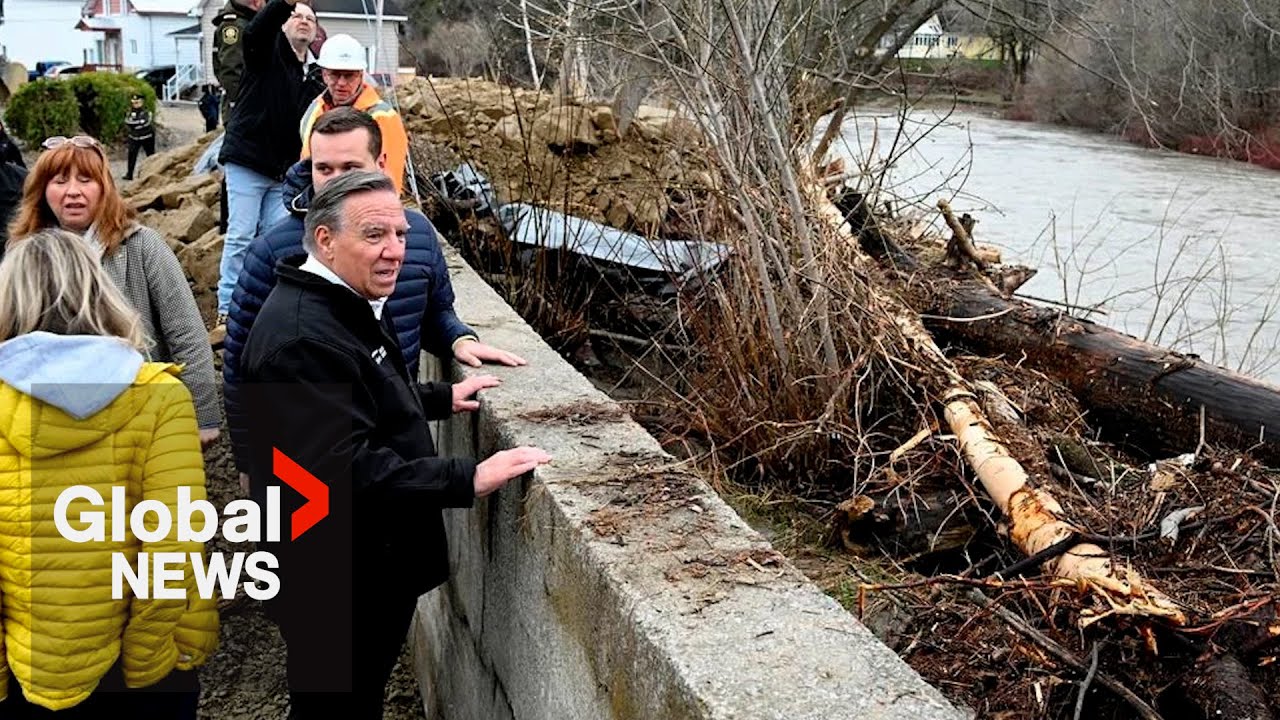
208 11
613 584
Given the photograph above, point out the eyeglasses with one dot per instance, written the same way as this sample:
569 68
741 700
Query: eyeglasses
300 16
80 141
83 141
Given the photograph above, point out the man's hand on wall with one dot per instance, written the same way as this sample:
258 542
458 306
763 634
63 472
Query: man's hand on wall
462 392
505 465
474 352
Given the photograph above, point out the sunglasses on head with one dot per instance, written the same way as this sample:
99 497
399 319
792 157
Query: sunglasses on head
83 141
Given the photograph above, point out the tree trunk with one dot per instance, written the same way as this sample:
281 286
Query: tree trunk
1219 687
1134 390
1036 520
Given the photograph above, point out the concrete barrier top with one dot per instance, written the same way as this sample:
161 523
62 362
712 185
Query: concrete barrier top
616 583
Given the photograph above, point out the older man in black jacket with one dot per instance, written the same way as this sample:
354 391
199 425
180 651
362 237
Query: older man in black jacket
262 133
327 389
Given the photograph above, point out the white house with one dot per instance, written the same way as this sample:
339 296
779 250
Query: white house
928 41
36 30
137 34
357 18
931 41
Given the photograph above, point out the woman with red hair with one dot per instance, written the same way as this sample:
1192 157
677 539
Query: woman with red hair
70 187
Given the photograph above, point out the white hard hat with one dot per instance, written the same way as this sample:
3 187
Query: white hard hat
341 52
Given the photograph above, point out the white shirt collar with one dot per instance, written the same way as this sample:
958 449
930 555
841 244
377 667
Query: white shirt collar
315 267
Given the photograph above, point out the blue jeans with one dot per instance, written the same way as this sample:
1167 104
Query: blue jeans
254 203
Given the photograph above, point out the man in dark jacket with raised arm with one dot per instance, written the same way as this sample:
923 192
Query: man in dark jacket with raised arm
421 308
262 135
332 402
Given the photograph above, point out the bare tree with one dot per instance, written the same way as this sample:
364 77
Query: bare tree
463 45
1203 75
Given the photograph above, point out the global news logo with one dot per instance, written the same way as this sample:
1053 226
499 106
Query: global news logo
160 575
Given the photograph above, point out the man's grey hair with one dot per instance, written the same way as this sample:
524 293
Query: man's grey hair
326 206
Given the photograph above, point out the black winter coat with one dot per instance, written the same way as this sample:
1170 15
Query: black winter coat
420 309
12 178
139 123
324 384
10 153
262 131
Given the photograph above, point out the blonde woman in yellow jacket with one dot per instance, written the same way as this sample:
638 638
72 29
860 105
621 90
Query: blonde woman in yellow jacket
80 406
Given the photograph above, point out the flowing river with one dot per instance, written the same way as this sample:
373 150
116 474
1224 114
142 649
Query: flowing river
1167 247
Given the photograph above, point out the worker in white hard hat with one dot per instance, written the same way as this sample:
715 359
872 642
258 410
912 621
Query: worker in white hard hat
342 64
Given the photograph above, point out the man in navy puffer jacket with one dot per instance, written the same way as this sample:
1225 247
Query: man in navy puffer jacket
421 308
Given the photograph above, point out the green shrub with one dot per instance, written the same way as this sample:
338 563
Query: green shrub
42 109
104 102
92 103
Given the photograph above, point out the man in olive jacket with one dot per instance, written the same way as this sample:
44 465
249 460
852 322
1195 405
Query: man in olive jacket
262 139
228 68
328 392
228 48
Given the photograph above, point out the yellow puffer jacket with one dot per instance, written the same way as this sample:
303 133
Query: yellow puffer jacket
61 630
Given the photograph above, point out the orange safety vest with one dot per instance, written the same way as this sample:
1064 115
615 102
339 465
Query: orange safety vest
395 141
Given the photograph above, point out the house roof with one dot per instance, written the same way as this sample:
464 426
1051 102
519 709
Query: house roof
390 8
932 26
98 24
162 7
188 30
148 7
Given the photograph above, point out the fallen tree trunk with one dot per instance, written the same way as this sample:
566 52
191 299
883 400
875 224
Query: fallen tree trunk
1135 391
1036 519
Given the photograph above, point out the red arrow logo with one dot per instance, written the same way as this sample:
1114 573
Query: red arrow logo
309 486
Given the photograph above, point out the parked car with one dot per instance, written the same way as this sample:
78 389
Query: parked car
43 67
63 72
157 76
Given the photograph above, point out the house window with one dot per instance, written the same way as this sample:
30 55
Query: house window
952 41
133 47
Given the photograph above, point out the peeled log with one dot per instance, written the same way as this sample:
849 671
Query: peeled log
1036 519
1134 390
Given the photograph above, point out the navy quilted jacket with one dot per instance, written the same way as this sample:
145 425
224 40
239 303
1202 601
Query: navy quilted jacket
421 308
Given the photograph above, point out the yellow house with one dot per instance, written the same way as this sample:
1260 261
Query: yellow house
974 47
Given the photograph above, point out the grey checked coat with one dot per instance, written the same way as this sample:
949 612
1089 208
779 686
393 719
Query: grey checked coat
149 274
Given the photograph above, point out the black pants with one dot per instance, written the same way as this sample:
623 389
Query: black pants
176 697
222 206
134 146
378 633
